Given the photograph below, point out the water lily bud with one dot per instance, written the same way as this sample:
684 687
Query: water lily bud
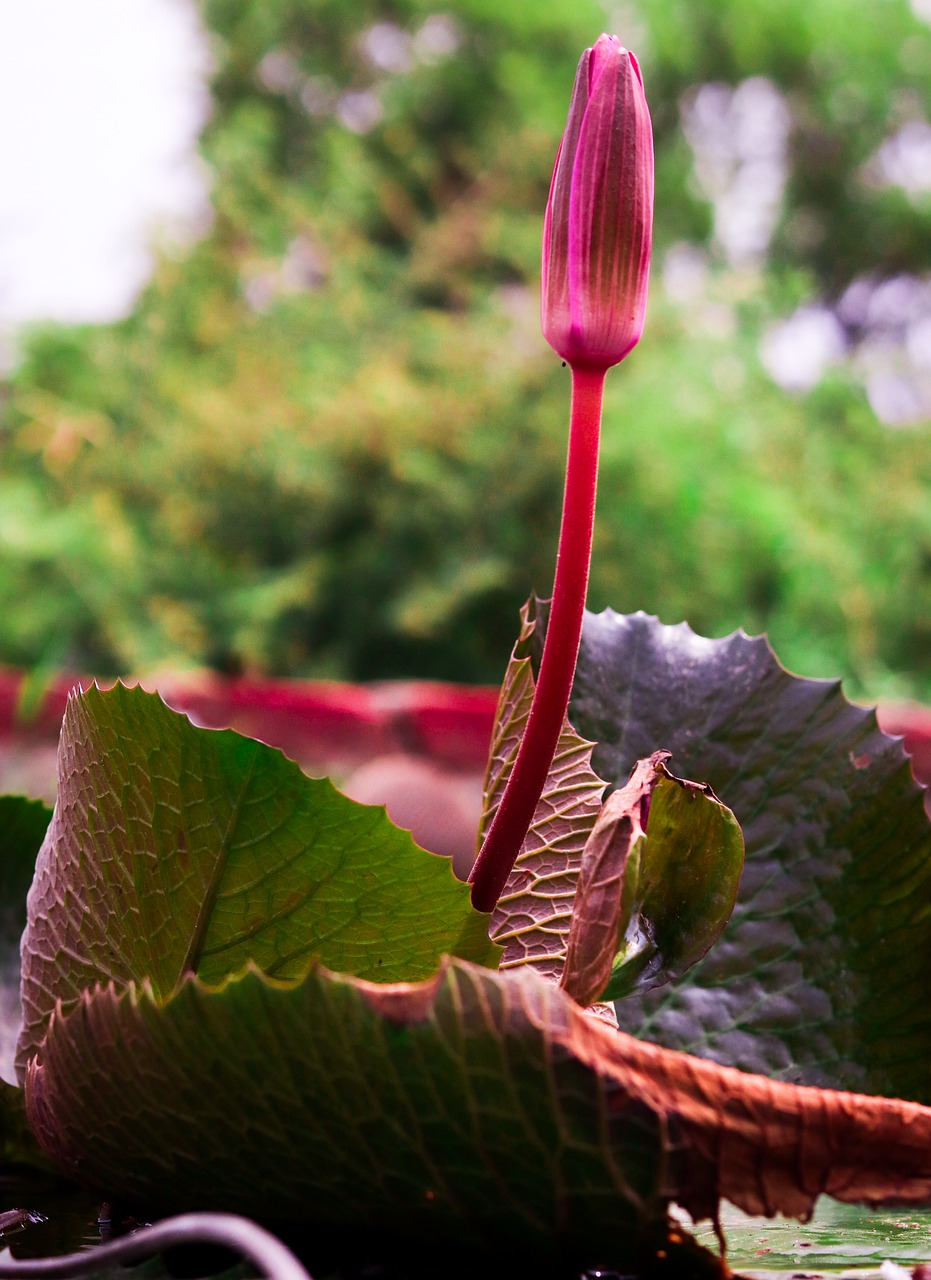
598 231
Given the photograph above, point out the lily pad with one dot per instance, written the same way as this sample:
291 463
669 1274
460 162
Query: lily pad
821 975
476 1107
468 1106
176 850
836 1238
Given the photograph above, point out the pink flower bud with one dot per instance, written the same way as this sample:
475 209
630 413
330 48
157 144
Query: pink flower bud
598 231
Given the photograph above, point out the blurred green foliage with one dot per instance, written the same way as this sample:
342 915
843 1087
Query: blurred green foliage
329 440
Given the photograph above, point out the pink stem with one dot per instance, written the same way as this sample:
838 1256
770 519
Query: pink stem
528 777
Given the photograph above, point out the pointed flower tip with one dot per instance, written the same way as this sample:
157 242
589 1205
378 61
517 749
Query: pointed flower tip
598 231
601 54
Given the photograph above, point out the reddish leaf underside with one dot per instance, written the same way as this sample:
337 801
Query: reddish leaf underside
564 911
531 921
476 1101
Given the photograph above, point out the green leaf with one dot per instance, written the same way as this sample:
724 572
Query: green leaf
532 918
428 1110
23 824
177 850
821 974
657 885
18 1143
478 1108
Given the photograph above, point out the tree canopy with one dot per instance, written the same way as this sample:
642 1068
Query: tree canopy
329 439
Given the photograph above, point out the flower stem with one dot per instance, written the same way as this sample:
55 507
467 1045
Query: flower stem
528 777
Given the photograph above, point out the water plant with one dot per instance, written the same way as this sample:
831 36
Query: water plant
243 992
597 237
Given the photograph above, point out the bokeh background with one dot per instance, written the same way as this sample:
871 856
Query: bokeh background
313 430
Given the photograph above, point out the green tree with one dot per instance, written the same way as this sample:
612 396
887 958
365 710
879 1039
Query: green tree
329 439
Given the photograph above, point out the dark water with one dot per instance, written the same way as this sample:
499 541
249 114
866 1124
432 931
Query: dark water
839 1239
71 1217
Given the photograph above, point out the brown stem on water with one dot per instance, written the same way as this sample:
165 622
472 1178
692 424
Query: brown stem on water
528 776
